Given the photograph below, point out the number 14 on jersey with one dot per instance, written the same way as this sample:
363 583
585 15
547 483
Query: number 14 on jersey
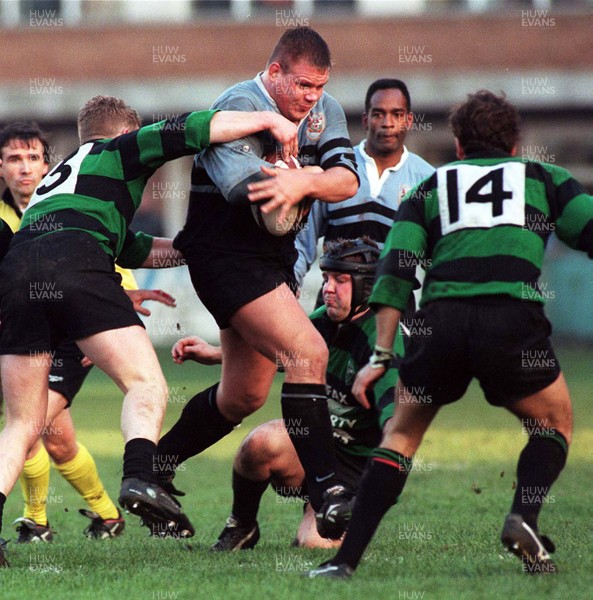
474 196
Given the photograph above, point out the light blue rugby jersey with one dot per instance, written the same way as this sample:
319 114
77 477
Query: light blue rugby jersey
370 212
323 140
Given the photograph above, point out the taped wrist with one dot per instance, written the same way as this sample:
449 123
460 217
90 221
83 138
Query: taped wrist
381 358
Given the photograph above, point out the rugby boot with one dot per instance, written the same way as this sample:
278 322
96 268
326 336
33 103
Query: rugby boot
102 529
160 512
531 547
29 531
335 513
236 537
330 571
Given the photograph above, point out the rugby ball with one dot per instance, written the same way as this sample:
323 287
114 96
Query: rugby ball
293 220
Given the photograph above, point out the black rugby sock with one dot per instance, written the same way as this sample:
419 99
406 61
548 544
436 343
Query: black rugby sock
540 464
199 426
306 418
381 485
139 460
2 502
246 498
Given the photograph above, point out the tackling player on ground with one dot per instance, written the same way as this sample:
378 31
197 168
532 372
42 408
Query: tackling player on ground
482 224
267 456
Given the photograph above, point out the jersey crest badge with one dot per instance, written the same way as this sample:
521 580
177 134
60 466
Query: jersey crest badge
403 190
315 126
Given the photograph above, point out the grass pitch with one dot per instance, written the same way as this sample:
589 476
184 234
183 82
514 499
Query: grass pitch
441 541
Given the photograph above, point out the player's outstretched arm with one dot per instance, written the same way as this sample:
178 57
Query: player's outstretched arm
139 296
195 348
231 125
162 255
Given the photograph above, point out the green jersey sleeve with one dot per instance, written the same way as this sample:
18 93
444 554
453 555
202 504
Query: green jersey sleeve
135 250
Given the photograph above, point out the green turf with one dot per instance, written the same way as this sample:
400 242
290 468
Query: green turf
440 542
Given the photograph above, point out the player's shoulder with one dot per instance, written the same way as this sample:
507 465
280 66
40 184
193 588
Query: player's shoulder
533 168
9 215
557 173
326 121
420 164
327 98
245 95
359 152
327 103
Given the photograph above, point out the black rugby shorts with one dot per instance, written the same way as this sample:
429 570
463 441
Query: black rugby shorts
225 281
56 288
67 374
501 341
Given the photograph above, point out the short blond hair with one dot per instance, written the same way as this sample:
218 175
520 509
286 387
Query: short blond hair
105 117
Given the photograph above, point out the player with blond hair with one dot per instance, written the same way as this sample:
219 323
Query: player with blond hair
76 225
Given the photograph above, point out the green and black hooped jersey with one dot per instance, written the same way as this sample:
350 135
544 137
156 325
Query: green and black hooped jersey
480 226
98 188
356 430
